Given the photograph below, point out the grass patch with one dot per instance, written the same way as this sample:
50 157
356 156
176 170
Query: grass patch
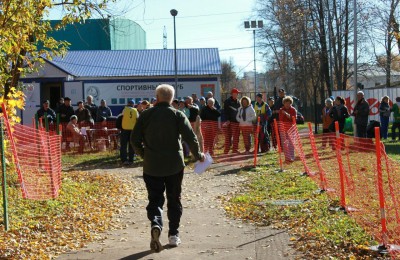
317 232
98 160
84 208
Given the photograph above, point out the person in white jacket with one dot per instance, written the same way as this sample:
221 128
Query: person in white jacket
246 116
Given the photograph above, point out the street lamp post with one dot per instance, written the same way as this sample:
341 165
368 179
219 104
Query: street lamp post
254 25
175 13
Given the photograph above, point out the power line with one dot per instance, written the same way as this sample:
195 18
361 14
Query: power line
193 16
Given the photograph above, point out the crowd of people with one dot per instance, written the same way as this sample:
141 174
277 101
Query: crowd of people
240 117
336 110
204 115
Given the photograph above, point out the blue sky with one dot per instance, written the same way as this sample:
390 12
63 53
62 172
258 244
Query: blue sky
199 24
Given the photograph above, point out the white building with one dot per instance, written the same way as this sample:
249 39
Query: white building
119 75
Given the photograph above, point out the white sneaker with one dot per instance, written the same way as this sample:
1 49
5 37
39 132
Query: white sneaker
174 241
155 243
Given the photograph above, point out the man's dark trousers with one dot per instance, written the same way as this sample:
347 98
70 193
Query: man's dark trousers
125 145
155 188
361 131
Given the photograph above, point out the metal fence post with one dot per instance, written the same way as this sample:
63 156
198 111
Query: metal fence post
3 169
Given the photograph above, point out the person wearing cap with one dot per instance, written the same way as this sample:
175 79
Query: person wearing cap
83 114
89 105
129 119
361 113
278 103
46 111
232 131
157 139
103 111
396 119
66 110
211 95
263 111
326 122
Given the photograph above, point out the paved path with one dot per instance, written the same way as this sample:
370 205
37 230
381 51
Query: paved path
205 231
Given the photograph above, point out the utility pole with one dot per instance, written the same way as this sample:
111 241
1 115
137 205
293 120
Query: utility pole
165 38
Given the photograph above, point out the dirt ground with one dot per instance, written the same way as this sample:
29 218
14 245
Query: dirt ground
206 232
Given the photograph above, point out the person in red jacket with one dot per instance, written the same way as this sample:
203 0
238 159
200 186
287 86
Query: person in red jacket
286 114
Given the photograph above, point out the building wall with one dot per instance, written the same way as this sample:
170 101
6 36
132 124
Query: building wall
126 35
102 34
93 34
116 91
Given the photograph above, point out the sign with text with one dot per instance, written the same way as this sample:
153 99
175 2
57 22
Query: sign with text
118 93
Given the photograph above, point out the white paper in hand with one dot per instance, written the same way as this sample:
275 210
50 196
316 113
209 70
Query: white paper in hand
200 167
83 131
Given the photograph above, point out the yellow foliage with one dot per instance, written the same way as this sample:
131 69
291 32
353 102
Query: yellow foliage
15 99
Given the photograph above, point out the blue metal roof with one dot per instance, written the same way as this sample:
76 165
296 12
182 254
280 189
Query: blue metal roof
128 63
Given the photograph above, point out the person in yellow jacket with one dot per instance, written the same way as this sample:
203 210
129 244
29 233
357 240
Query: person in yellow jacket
129 118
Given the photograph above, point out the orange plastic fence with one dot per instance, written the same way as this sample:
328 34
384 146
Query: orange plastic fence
97 136
230 142
358 172
37 156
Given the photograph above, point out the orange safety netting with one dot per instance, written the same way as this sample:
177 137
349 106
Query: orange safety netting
358 172
290 141
97 136
37 158
230 142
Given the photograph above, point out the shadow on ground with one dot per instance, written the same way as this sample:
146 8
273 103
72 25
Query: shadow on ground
103 162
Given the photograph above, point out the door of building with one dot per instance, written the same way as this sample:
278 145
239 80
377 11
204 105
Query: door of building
51 91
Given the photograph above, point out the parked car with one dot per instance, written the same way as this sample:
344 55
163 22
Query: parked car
299 118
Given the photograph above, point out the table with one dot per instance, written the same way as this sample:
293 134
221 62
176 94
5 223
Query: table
102 138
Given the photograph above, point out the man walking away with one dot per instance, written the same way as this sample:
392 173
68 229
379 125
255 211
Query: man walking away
129 118
163 162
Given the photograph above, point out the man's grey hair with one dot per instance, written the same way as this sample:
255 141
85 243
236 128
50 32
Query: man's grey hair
211 100
165 92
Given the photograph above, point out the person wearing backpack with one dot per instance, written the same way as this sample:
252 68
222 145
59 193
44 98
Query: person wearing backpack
129 118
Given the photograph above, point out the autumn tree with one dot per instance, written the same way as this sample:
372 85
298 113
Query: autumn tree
228 76
23 27
383 30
